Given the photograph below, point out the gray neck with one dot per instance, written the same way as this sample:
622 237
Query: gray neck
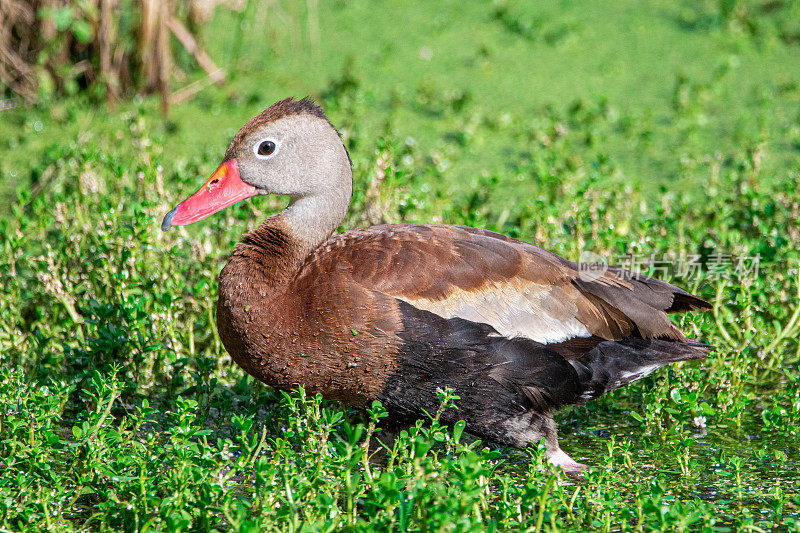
312 219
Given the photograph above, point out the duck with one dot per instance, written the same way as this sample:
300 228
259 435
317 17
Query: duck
400 312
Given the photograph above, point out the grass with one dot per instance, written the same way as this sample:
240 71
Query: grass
671 134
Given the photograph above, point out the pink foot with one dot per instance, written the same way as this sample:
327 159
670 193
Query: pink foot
567 463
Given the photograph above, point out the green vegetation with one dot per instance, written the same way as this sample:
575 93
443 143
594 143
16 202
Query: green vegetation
670 131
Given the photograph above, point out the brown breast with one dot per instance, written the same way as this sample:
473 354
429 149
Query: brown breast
319 329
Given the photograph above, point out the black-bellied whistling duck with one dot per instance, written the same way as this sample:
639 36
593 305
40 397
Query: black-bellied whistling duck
396 312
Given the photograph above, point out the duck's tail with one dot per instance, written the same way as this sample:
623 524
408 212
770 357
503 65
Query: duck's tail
613 364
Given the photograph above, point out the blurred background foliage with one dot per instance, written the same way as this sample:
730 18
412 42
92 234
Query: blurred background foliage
665 130
109 49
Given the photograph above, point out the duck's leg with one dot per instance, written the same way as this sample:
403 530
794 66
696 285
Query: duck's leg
530 428
555 454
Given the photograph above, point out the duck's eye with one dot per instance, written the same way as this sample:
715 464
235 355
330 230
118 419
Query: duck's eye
265 148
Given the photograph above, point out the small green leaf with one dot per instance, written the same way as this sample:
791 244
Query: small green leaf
458 429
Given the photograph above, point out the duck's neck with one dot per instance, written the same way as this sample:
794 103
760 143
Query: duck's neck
277 248
312 219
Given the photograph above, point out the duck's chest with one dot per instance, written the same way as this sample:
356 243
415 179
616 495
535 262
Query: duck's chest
291 335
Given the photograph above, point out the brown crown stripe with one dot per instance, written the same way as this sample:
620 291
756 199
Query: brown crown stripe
284 108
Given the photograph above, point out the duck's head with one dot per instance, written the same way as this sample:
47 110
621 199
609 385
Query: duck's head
289 149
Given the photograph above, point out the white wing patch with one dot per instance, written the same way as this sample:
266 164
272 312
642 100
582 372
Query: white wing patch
629 377
519 308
